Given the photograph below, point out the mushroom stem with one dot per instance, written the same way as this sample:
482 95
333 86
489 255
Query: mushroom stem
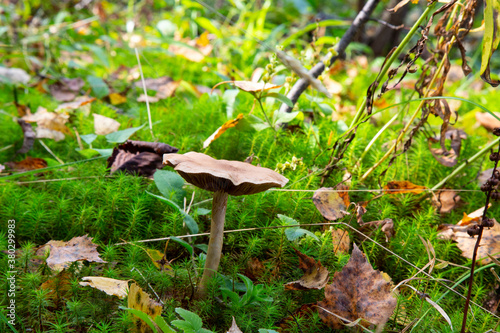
219 205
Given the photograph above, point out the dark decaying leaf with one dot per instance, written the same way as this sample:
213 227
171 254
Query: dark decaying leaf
332 202
30 163
139 157
164 86
65 90
315 275
234 328
444 156
358 291
29 136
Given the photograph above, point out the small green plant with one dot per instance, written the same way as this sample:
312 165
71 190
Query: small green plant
191 322
254 294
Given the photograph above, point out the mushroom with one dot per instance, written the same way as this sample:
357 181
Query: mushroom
223 178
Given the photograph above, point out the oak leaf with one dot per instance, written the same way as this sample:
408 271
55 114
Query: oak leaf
357 292
315 275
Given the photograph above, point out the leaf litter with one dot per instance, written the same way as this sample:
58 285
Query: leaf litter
315 275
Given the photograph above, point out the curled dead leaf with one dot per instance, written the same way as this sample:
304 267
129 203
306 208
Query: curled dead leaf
65 90
111 287
104 125
358 292
315 275
218 132
448 157
445 201
487 120
249 86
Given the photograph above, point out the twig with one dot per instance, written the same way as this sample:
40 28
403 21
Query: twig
50 151
301 85
394 27
484 222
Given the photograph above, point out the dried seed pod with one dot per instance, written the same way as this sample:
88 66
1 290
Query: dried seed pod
487 222
496 131
494 157
486 187
494 181
495 196
473 230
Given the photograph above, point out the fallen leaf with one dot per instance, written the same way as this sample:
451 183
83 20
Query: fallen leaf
14 75
104 125
140 300
111 287
218 132
65 90
358 291
200 48
249 86
445 201
77 103
117 98
489 246
399 5
62 254
332 86
234 328
315 275
58 287
140 157
472 217
164 86
30 163
29 136
255 269
332 202
487 120
386 224
446 157
403 186
341 241
50 125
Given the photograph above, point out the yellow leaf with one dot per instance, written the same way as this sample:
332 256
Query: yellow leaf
222 129
140 300
116 98
403 186
111 287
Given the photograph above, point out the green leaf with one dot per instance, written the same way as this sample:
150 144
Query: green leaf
202 211
280 97
122 136
163 325
285 117
99 87
229 98
87 153
141 315
491 38
190 317
170 184
208 25
295 233
104 152
183 243
89 138
188 219
100 53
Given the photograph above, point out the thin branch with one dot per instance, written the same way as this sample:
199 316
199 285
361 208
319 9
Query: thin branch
301 85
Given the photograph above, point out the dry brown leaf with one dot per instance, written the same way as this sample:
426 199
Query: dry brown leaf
446 201
332 86
403 186
140 300
489 246
30 163
446 157
254 269
58 287
104 125
358 291
487 120
65 90
202 44
77 103
164 86
341 241
234 328
111 287
315 275
51 125
218 132
387 227
62 254
332 202
472 217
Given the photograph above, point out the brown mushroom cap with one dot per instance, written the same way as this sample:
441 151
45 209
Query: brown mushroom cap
233 177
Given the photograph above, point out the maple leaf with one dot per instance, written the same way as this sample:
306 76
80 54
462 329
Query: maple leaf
315 275
62 254
357 292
